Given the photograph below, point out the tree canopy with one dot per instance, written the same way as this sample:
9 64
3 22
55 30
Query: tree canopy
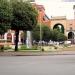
5 16
24 16
47 34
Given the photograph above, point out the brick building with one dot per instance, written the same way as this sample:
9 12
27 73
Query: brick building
68 26
42 17
62 22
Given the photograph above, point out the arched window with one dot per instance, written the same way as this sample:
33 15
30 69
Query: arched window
70 35
59 27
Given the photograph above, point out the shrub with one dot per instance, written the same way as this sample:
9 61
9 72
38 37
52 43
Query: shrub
55 47
7 47
1 48
42 49
66 45
23 47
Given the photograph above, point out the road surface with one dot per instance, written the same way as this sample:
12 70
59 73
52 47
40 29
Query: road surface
38 65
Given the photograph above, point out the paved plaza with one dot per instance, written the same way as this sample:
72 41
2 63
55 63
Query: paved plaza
37 65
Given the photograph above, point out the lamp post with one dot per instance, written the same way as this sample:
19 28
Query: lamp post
40 30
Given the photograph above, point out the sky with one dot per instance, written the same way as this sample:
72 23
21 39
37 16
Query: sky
58 7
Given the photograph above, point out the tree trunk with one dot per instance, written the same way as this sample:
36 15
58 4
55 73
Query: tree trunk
16 40
1 36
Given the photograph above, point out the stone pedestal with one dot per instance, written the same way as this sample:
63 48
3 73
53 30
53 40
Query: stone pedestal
28 40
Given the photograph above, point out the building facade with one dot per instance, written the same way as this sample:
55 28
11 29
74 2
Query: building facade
42 17
66 26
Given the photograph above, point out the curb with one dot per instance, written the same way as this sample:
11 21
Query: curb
36 53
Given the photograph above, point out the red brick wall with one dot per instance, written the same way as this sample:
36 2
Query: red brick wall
41 14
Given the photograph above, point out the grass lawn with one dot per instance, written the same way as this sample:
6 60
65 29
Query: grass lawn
23 48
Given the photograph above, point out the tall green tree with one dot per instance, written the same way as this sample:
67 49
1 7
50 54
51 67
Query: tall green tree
36 33
24 18
61 37
45 33
58 36
2 29
5 16
55 33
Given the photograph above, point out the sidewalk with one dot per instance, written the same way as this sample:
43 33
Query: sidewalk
37 53
63 51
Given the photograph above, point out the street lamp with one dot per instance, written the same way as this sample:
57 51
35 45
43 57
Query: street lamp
40 30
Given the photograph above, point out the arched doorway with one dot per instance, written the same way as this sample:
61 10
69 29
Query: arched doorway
70 35
9 37
59 27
